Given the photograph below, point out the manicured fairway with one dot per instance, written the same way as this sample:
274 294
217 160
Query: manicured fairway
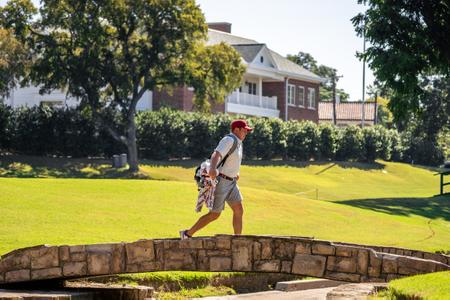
386 204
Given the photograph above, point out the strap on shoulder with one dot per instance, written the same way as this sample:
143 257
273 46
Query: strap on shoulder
232 149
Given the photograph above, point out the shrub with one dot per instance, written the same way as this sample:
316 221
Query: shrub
302 138
349 143
328 139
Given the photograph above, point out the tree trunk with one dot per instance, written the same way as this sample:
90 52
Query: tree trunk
131 144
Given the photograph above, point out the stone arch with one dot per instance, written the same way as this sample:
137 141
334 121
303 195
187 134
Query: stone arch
291 255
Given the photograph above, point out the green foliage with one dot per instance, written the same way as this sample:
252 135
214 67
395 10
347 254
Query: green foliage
5 126
350 144
302 139
328 140
413 47
433 286
167 134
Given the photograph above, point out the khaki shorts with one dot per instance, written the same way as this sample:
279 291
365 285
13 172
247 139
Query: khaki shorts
226 190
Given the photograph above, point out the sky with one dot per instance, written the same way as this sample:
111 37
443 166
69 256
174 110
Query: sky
321 28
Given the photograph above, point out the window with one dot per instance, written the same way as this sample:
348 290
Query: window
261 59
301 96
251 87
291 94
312 98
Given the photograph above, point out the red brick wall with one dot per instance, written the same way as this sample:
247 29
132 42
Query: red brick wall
294 112
180 98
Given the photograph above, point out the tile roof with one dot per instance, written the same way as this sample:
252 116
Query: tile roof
247 47
346 111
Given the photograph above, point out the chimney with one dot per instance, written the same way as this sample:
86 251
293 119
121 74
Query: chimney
220 26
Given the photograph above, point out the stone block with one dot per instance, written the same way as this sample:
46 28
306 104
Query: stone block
286 266
407 271
17 261
18 276
219 264
191 244
75 269
421 265
140 251
182 259
209 244
303 248
44 258
242 255
374 271
343 276
256 251
100 248
345 251
145 267
171 244
77 249
322 248
64 253
309 265
284 249
2 277
46 273
341 264
223 242
435 257
118 263
79 256
389 264
363 262
218 252
267 266
266 248
375 259
417 254
99 263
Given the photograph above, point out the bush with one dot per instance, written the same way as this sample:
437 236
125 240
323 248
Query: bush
349 143
328 139
259 144
5 126
302 139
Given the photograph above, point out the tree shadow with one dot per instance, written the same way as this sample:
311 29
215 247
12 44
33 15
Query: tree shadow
437 207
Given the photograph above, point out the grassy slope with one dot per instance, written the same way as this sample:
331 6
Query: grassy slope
433 286
386 203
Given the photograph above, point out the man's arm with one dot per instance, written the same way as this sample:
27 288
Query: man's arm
215 158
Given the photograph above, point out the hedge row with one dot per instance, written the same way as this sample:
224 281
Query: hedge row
174 134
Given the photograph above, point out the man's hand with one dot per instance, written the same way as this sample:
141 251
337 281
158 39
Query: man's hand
213 173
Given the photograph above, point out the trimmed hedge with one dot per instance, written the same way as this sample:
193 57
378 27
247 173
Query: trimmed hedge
168 134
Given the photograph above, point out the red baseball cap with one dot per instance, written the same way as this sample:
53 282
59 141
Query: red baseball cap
240 124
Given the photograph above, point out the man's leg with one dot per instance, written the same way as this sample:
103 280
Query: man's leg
202 222
238 212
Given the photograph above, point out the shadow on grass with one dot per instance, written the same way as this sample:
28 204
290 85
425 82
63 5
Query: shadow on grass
433 207
23 166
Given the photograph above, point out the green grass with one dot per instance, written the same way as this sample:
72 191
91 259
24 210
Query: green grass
383 203
434 286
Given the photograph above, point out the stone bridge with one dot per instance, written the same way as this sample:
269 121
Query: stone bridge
291 255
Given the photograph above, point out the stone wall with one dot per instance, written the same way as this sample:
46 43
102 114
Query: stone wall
291 255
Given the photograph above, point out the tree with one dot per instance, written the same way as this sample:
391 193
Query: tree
409 47
108 53
308 62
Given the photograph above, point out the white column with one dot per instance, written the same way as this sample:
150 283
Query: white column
260 91
237 96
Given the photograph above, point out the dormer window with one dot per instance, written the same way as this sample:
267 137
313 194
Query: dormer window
261 59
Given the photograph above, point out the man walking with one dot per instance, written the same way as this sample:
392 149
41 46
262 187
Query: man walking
227 176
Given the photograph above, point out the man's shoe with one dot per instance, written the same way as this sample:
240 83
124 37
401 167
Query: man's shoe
184 235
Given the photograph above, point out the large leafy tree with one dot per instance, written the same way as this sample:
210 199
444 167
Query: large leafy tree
308 62
108 53
409 51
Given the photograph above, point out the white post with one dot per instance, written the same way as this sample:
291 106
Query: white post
260 91
237 96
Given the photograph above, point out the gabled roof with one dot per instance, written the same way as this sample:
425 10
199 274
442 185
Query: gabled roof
249 49
346 111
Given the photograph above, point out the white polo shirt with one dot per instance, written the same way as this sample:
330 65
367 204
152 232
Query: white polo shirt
233 163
